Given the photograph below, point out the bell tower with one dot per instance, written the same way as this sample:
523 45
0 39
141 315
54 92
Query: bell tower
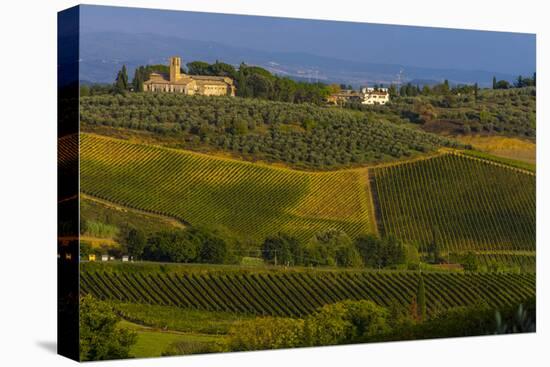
175 68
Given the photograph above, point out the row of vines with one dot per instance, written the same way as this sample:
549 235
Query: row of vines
251 201
458 203
300 293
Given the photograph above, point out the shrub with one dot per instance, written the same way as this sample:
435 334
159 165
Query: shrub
100 338
266 333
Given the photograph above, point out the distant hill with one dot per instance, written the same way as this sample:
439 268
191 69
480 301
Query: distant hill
103 53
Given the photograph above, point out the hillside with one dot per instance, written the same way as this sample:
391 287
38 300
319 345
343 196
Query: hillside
303 136
506 112
252 201
294 292
461 203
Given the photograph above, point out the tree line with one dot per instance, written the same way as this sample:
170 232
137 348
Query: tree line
325 248
336 248
521 82
250 82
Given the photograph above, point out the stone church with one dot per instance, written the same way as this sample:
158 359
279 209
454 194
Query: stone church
178 82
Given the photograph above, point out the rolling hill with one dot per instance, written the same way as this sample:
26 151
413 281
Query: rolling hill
460 202
465 203
251 200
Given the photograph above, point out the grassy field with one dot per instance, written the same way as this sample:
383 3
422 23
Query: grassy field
250 200
531 167
295 293
459 202
152 342
92 209
512 148
179 319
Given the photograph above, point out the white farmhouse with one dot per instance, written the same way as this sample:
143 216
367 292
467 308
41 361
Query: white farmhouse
373 96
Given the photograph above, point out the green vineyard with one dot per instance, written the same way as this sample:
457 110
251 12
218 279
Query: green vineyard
252 201
460 203
297 293
527 261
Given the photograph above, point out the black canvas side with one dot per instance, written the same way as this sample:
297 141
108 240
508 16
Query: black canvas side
68 183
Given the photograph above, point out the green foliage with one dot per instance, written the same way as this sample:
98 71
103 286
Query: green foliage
333 248
477 319
338 323
100 339
124 220
421 299
522 321
497 262
412 257
474 205
121 83
481 111
346 255
322 137
379 253
186 245
172 246
469 262
213 248
199 68
294 293
142 74
266 333
363 321
523 81
193 347
84 91
282 249
503 84
98 229
346 322
178 318
135 243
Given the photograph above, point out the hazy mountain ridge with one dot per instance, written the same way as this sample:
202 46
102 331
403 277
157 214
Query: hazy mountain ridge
103 53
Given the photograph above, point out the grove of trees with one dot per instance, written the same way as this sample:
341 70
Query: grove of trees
179 245
302 135
335 248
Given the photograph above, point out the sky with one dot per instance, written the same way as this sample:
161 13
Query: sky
505 52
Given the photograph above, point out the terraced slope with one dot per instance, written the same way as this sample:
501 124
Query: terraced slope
464 203
251 200
296 293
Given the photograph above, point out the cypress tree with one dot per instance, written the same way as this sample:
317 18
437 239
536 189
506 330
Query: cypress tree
138 80
124 76
121 84
494 82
